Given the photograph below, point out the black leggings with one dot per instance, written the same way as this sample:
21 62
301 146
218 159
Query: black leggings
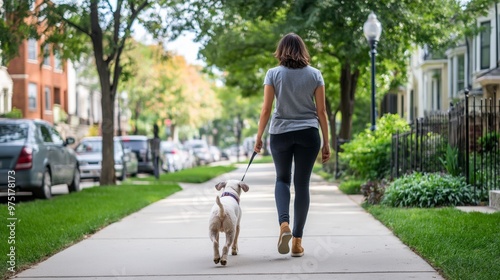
300 147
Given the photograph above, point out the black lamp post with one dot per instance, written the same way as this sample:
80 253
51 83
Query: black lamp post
372 29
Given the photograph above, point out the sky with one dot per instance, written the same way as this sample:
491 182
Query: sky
184 45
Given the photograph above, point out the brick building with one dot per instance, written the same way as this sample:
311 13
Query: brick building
40 81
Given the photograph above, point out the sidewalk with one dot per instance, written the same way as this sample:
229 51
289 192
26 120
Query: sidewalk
169 240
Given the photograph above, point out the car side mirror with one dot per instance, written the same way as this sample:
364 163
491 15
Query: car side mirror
69 141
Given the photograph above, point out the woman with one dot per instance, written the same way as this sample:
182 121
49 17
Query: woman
299 90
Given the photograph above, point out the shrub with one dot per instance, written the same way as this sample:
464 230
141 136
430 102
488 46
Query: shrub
428 190
450 161
488 142
373 191
15 113
368 155
351 186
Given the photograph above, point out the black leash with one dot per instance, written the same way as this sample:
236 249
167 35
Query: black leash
251 159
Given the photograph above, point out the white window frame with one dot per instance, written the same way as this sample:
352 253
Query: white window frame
46 56
481 47
32 96
47 98
32 49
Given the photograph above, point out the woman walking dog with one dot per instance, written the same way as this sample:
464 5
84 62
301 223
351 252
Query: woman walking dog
300 111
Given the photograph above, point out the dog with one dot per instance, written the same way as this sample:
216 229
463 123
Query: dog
225 217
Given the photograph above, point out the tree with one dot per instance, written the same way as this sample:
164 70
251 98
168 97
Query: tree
333 31
175 89
98 26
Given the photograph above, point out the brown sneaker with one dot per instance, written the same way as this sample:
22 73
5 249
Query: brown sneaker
285 236
297 250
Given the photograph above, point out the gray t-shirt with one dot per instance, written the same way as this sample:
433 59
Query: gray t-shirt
294 91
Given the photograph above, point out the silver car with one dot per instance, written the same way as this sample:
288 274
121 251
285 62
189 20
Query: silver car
89 155
36 157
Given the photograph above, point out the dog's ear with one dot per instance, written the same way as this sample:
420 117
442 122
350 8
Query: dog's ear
243 186
220 185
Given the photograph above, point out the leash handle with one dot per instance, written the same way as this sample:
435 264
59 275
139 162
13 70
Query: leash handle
251 159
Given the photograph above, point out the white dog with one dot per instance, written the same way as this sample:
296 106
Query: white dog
225 217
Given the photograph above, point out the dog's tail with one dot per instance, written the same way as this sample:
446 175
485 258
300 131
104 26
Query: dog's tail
221 212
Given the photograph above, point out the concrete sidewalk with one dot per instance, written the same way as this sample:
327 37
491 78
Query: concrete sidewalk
169 240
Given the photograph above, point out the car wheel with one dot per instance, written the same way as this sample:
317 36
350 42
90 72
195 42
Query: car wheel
45 191
74 186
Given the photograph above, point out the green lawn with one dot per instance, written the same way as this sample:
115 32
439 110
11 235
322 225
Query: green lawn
45 227
461 245
198 174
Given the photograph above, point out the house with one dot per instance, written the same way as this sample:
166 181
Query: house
39 81
84 99
6 85
435 80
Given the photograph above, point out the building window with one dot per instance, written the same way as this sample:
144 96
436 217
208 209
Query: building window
402 106
436 91
48 104
46 55
57 61
485 44
32 96
412 110
32 49
57 96
460 72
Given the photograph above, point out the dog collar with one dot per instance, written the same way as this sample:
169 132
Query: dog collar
231 195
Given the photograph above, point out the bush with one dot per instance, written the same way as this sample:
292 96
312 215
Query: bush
13 114
488 142
428 190
351 186
373 191
368 155
450 161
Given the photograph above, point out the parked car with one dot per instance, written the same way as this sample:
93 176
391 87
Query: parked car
216 153
201 151
36 157
89 155
172 156
140 145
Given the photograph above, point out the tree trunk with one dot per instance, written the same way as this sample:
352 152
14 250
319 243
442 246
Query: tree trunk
108 159
137 112
107 100
333 125
348 83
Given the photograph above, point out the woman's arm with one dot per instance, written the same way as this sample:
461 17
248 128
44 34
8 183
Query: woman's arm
264 115
319 95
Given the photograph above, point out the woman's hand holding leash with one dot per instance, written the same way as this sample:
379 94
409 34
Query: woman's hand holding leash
325 153
258 145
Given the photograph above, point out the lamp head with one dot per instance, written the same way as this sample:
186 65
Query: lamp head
372 28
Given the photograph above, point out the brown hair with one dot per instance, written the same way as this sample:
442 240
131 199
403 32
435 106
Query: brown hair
292 52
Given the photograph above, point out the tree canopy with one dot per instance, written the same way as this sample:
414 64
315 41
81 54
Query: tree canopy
241 36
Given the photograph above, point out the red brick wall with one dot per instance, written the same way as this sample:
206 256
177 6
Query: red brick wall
25 72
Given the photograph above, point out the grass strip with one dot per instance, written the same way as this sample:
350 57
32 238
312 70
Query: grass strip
198 174
44 227
461 245
318 170
351 186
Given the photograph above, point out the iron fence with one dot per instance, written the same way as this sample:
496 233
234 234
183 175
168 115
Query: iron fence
463 142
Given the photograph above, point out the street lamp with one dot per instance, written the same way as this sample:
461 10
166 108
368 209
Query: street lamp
372 29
